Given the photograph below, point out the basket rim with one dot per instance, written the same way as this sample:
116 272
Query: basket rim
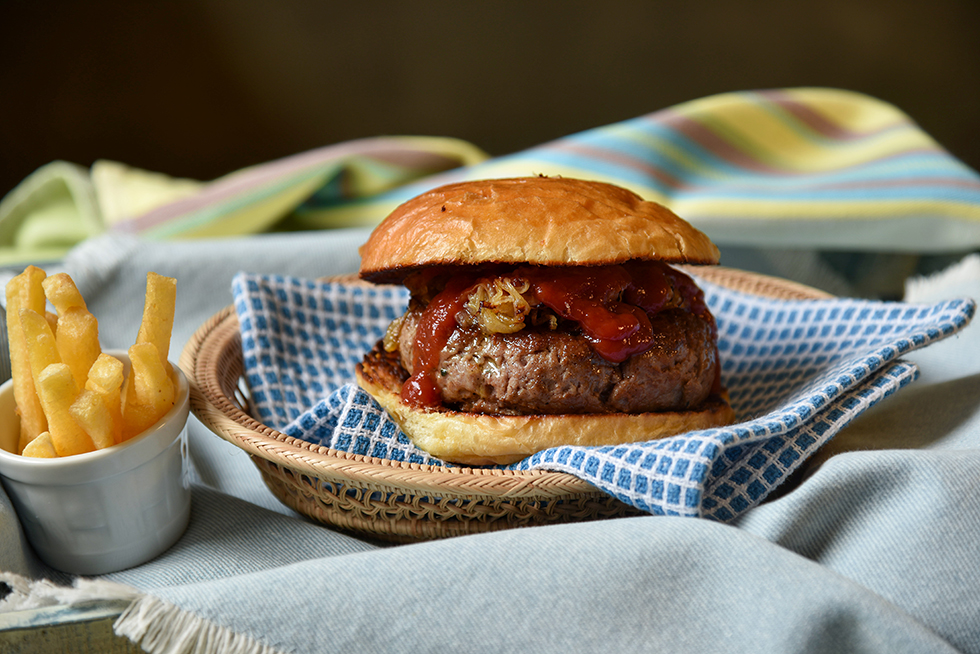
219 337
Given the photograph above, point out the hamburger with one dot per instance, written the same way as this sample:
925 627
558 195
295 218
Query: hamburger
543 311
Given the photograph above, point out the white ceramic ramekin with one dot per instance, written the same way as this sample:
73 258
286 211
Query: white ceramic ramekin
107 510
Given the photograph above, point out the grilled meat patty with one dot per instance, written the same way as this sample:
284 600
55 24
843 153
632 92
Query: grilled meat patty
541 370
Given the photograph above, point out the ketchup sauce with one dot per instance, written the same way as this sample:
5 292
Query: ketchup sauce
435 327
590 296
611 304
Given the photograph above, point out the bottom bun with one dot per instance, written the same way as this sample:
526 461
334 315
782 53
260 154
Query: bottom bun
483 439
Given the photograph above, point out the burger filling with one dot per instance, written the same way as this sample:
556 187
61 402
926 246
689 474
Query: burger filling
625 338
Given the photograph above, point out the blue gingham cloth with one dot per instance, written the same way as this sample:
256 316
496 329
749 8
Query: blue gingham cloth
797 372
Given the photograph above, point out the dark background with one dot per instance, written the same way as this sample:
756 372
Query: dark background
200 88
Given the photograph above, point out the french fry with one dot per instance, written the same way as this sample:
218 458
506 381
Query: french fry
105 377
42 350
78 341
24 292
62 293
25 433
158 314
57 391
149 390
71 397
92 415
78 336
41 447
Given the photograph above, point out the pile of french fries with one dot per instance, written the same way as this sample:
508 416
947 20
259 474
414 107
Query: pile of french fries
72 397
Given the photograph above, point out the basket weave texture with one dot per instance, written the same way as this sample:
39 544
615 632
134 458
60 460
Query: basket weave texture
393 500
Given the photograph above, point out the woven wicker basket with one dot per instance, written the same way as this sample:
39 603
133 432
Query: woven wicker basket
394 500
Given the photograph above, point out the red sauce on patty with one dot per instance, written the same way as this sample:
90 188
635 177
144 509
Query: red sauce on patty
611 304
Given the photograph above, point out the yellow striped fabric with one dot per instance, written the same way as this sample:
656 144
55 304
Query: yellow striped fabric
813 168
791 168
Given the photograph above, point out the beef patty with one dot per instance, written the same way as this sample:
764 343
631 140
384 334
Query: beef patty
539 370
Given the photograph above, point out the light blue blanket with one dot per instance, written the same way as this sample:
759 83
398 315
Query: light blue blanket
875 551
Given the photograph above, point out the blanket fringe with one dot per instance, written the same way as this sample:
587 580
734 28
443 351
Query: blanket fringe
162 628
26 594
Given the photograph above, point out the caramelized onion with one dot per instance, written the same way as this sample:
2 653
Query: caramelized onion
499 304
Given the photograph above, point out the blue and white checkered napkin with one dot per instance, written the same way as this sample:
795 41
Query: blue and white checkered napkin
797 372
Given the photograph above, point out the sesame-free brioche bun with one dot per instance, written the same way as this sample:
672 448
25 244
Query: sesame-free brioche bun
485 439
548 221
542 222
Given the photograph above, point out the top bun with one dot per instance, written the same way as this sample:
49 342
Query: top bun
548 221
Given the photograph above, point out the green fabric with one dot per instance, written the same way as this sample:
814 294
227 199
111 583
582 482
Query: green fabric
48 213
62 204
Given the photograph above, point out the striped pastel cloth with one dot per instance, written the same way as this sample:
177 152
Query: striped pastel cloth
779 169
295 192
784 168
61 203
